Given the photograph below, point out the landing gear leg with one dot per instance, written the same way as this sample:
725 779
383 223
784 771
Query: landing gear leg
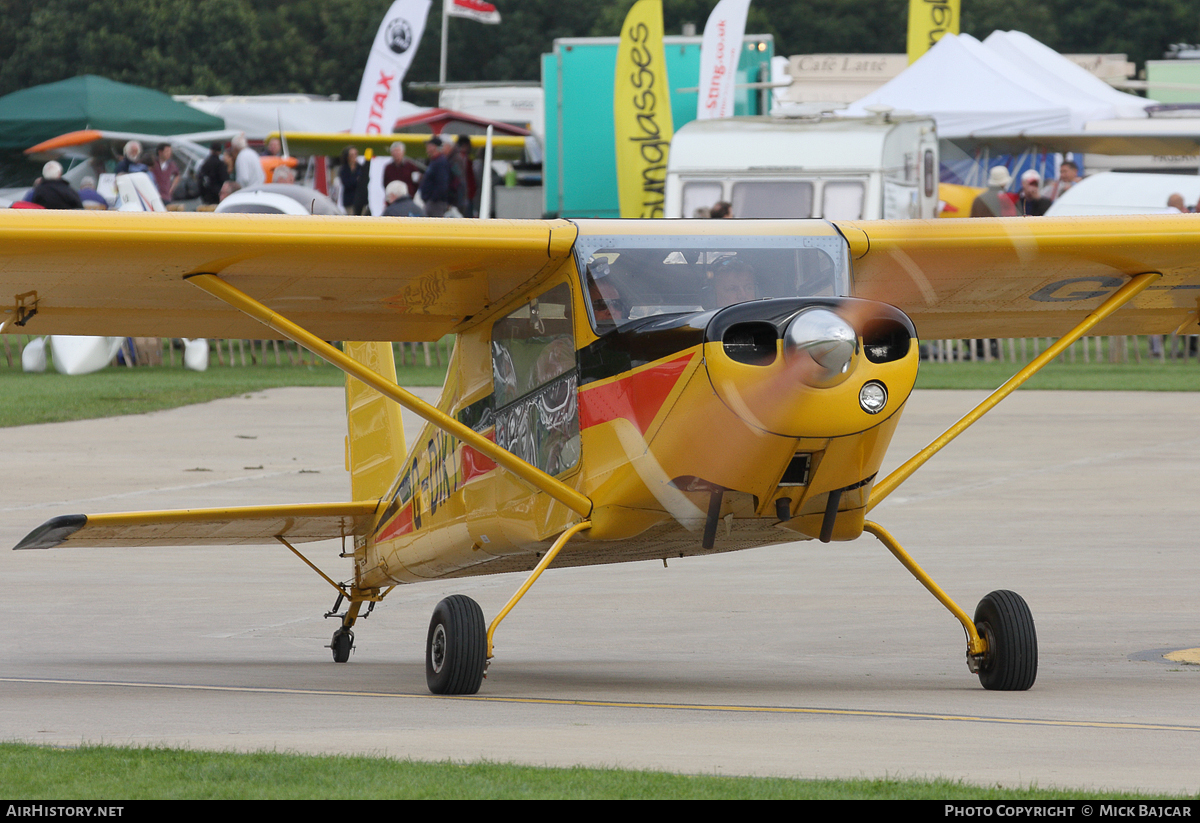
342 642
1001 641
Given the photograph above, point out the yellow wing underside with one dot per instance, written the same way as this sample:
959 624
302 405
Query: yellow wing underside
1029 277
249 525
342 278
347 278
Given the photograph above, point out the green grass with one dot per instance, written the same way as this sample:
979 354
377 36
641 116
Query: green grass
110 773
1073 370
1172 375
52 398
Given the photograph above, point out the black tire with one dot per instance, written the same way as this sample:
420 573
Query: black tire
342 643
456 647
1004 620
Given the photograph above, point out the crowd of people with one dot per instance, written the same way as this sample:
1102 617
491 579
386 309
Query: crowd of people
1031 200
446 186
52 191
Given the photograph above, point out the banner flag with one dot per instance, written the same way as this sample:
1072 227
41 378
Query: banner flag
928 20
393 50
719 56
642 112
476 10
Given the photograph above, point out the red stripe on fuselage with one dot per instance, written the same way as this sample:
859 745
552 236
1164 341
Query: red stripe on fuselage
636 397
475 463
401 524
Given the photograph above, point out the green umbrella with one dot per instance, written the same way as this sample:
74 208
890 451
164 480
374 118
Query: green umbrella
29 116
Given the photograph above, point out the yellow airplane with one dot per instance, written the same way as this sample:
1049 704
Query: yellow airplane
505 146
619 390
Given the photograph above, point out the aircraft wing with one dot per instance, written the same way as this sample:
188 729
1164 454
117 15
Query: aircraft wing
504 146
79 143
342 278
1095 142
249 525
1029 277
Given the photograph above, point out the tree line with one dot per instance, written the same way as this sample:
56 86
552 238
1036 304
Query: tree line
320 46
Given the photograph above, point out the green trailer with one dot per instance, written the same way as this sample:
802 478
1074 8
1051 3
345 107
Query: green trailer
579 171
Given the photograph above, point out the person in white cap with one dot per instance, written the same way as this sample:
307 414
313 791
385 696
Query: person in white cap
996 201
1030 201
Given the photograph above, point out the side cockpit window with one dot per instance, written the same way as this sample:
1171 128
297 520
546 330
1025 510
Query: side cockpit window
535 382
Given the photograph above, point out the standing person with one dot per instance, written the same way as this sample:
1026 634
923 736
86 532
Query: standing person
362 190
435 185
996 201
1068 175
53 192
164 172
247 167
348 177
1030 201
402 169
463 176
131 162
213 174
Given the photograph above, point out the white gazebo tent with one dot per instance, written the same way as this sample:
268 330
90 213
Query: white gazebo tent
969 89
1057 72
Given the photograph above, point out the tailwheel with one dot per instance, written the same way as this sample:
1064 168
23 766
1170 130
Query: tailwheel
1003 619
456 649
342 643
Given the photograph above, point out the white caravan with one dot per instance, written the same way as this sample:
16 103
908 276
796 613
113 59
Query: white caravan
838 168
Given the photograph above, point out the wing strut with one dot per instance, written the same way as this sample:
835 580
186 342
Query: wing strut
1136 285
533 576
560 491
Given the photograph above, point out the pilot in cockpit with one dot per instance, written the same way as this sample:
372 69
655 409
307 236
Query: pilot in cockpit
730 281
607 305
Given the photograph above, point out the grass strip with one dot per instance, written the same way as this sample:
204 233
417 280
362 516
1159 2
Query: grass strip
54 398
1171 375
34 772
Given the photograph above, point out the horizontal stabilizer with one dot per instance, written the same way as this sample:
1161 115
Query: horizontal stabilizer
248 525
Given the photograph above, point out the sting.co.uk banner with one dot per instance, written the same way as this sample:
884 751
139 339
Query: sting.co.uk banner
393 50
719 55
642 112
928 20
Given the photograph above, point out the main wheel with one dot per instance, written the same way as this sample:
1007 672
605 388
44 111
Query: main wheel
456 649
342 643
1003 619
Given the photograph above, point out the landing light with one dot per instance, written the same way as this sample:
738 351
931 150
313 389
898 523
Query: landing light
872 397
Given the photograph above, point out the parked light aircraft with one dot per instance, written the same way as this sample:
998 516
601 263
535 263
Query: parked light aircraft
595 363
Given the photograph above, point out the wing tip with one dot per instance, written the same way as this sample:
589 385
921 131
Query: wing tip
53 532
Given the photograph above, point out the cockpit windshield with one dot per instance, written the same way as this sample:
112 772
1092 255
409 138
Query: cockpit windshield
634 277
